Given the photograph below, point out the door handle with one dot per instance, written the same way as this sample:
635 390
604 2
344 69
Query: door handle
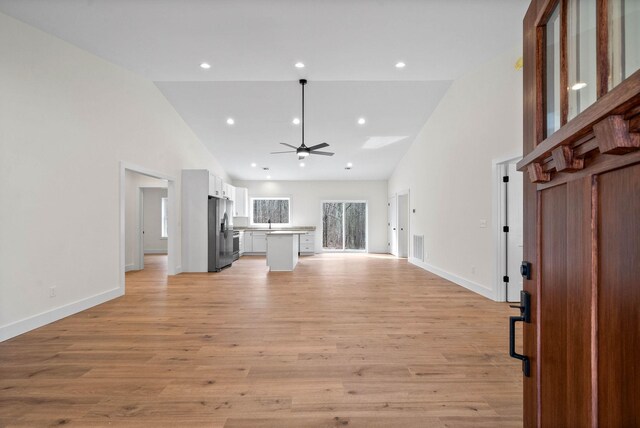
525 316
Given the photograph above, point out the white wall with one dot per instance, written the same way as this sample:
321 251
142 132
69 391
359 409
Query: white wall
306 197
67 119
449 173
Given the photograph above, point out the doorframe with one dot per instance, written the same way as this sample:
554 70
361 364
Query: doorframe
499 208
366 225
172 226
404 192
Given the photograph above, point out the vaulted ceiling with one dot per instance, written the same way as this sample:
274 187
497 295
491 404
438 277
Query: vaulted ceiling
349 49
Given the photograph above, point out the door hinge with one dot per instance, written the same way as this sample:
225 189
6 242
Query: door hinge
505 278
505 179
505 228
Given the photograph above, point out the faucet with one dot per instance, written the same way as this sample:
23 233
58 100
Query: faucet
269 224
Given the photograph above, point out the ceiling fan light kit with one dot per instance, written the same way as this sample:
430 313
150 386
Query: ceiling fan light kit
303 151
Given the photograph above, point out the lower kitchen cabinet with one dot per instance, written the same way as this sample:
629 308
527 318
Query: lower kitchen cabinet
307 244
259 242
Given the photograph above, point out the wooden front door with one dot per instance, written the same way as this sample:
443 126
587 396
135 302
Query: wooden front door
581 230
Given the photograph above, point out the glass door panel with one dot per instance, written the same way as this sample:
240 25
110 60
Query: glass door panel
624 39
581 55
552 72
355 225
332 227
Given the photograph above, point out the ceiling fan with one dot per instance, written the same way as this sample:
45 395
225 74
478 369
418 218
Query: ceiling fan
304 151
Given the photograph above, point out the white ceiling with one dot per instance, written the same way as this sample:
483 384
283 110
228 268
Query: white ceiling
263 113
349 48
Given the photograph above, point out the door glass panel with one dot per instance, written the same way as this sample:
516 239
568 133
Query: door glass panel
581 45
624 39
332 225
552 73
355 225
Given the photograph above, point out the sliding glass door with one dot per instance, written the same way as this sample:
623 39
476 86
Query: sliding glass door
344 225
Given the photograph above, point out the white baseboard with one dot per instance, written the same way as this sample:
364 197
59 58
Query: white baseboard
132 266
463 282
19 327
155 251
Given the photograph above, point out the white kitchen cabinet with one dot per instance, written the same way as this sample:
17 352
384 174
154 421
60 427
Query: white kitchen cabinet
197 185
241 202
226 190
248 242
241 242
308 243
215 186
232 193
259 242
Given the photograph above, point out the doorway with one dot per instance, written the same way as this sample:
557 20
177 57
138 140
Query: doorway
508 230
344 226
392 225
133 180
153 230
403 225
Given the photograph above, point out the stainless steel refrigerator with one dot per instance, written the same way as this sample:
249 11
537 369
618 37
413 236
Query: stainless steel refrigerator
220 234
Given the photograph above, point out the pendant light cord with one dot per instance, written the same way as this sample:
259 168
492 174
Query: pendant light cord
303 114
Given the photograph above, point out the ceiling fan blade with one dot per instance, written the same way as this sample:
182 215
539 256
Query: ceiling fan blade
319 146
288 151
289 145
322 153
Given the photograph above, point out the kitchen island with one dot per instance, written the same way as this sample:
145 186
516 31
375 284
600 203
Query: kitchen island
282 249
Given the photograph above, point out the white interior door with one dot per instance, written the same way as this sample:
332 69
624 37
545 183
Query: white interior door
514 236
403 225
393 226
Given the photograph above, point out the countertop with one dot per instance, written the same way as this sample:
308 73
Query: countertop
304 229
286 232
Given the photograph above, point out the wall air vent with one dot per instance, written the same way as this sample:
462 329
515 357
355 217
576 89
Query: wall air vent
418 247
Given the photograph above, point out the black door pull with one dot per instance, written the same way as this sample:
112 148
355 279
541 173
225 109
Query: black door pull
525 316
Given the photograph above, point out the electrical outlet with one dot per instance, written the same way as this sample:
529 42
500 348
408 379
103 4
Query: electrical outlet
473 270
483 223
52 291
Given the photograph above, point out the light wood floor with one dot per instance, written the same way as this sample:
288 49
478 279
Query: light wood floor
345 340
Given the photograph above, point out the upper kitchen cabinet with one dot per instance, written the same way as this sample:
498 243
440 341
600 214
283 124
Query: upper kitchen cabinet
215 186
227 191
241 202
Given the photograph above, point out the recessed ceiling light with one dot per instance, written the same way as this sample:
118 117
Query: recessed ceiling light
362 121
253 165
299 65
230 121
296 121
205 65
302 164
578 86
349 164
400 64
268 177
